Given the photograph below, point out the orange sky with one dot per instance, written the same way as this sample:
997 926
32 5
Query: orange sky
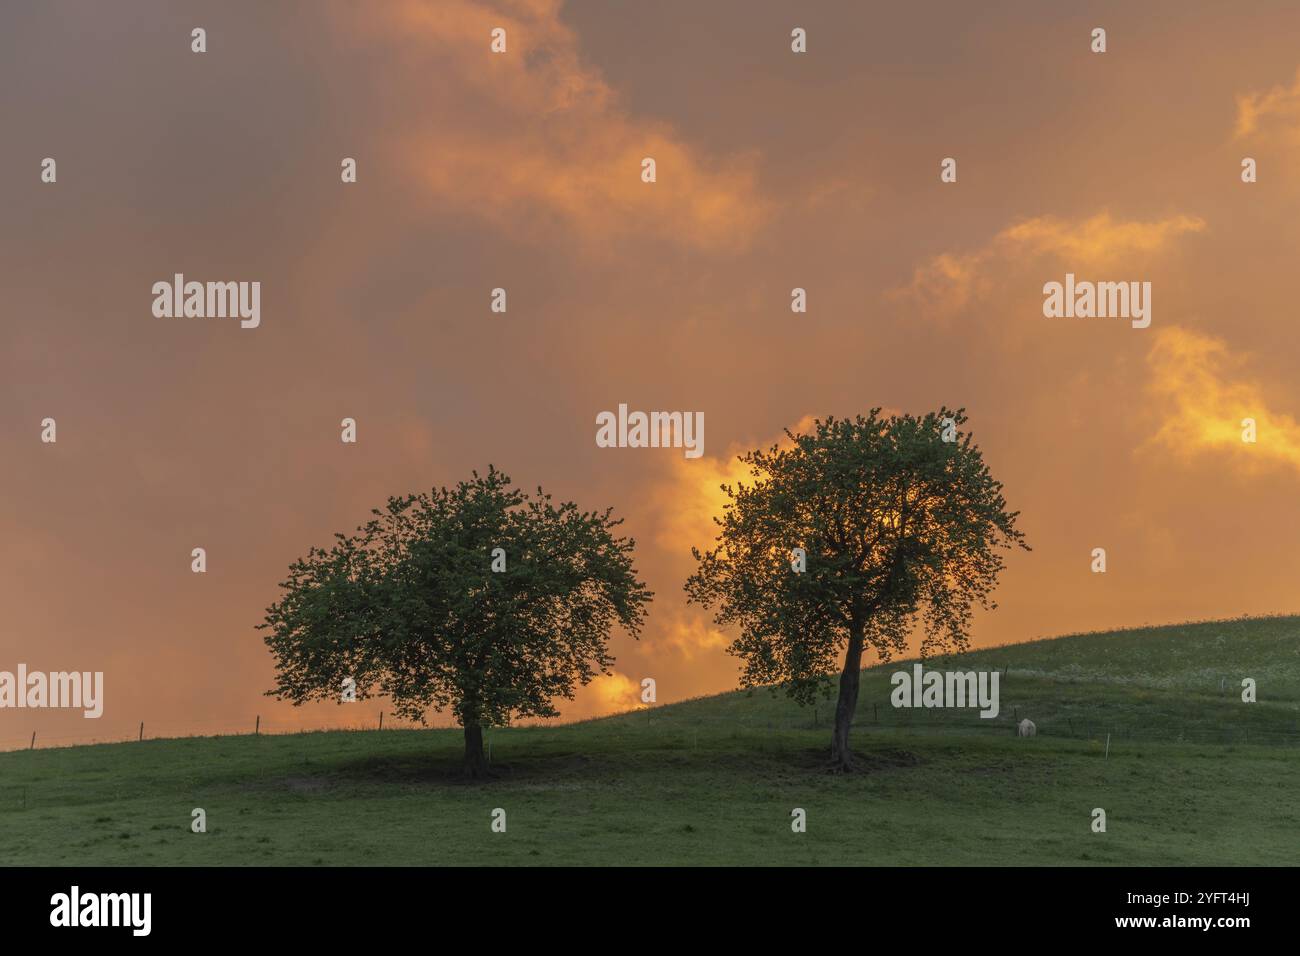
522 171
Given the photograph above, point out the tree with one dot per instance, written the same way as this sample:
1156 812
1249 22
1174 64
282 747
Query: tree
896 522
421 607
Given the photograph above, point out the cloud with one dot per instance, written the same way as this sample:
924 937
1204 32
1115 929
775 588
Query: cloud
691 494
1205 392
692 635
683 505
1275 112
534 136
614 693
950 283
1100 240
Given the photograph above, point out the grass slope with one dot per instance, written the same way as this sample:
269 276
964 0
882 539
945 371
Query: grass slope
1194 776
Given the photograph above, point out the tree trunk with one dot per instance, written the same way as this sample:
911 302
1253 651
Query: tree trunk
847 704
476 764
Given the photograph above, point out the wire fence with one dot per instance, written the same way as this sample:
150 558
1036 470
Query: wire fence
1097 725
174 730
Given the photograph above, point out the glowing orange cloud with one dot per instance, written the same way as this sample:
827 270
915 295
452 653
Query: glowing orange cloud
533 135
691 496
685 504
1100 240
1275 111
613 693
949 283
1206 395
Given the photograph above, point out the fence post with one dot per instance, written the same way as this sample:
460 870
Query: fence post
257 727
381 720
33 746
141 730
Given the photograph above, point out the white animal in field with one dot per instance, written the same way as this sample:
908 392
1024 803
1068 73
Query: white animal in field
1026 728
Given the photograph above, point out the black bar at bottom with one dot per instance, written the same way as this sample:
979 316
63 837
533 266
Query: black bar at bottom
331 905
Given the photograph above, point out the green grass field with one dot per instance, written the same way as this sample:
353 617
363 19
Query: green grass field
1194 776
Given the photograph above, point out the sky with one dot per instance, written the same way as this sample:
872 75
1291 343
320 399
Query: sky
522 170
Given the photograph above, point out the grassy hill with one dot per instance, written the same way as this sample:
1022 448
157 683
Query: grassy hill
1193 776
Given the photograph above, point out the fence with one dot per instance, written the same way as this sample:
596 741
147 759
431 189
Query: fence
171 730
1096 725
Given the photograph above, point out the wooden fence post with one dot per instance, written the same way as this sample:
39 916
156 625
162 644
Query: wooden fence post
381 720
257 727
33 746
141 730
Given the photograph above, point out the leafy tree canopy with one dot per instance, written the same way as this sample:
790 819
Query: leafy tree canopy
409 607
900 519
